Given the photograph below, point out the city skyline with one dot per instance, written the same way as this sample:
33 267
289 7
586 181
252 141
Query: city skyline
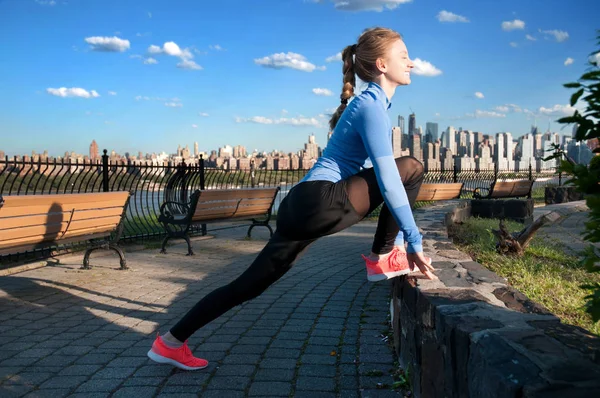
145 76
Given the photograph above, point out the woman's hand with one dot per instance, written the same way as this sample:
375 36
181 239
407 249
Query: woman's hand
421 262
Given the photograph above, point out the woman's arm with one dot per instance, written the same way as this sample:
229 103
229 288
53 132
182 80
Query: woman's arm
372 125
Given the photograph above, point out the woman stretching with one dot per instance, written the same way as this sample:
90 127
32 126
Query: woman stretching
335 194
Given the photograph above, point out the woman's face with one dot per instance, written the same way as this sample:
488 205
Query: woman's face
398 64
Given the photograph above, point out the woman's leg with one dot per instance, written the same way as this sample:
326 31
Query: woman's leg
309 211
365 196
272 263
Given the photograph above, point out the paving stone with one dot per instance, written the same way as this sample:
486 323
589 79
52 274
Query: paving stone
134 392
270 389
276 363
228 383
188 379
114 373
312 383
63 382
249 359
315 394
318 359
274 375
154 370
30 378
235 370
143 381
223 393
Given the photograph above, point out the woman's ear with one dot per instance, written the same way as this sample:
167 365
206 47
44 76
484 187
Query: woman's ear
381 65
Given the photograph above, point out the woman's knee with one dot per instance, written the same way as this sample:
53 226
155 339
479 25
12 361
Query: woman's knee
410 163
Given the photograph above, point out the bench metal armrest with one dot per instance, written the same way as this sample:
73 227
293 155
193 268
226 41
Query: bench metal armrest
166 215
477 192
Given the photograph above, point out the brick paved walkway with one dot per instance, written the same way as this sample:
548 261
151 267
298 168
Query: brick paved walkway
316 333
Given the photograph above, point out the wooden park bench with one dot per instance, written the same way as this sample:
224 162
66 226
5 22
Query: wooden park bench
505 189
207 206
441 191
29 222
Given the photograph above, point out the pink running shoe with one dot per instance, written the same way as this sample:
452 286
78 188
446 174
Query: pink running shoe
395 264
180 357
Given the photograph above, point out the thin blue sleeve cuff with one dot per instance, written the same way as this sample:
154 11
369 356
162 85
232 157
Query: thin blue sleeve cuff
399 239
414 248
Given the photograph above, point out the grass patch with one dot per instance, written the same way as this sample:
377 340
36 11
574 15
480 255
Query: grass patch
546 273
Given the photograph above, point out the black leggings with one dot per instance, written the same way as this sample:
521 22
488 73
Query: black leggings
310 210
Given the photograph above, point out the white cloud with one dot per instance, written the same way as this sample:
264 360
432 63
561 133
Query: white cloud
595 59
284 111
557 110
172 49
513 25
146 98
333 58
558 35
513 44
481 114
108 44
204 114
479 94
150 61
287 60
216 47
447 16
365 5
46 2
322 91
189 64
72 92
529 37
112 93
295 121
424 68
149 14
174 104
508 108
194 125
568 61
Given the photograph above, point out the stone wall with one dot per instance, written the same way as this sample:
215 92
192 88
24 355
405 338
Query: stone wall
471 335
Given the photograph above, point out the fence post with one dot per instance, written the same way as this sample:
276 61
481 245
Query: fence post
201 164
495 171
530 172
560 178
454 173
105 171
252 176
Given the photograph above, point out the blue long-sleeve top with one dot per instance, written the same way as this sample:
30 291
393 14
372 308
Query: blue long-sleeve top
364 132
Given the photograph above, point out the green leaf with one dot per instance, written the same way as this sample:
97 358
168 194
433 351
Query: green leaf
576 96
594 75
572 85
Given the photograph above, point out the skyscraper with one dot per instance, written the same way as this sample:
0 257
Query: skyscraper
94 154
412 124
311 148
401 124
397 141
431 132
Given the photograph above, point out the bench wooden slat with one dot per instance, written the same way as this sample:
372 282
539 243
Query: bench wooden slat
224 203
50 207
53 218
57 230
228 212
63 199
503 189
442 191
25 246
250 193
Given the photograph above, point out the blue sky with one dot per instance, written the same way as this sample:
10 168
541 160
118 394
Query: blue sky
151 75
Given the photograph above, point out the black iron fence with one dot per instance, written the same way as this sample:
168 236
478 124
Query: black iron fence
152 183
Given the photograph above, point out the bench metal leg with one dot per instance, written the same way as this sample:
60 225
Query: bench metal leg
190 251
163 249
113 246
263 224
110 246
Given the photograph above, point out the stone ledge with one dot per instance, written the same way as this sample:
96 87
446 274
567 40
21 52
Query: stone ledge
470 334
